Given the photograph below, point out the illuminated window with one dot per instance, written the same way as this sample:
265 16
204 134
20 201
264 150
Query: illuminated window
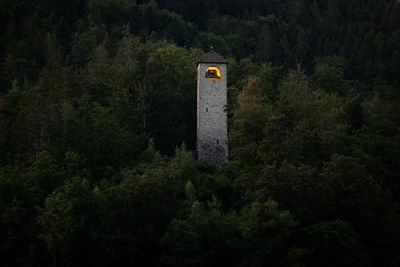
213 73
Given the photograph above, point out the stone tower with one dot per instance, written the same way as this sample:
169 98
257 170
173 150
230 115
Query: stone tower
212 127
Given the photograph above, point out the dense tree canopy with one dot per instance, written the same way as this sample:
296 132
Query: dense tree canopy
97 133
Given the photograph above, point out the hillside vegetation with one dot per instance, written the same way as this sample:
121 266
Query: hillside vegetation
98 128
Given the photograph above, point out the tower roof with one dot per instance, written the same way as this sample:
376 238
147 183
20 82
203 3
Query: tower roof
212 57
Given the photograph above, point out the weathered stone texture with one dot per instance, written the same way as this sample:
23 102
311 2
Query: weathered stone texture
212 128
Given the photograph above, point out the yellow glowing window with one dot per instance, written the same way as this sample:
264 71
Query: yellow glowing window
213 73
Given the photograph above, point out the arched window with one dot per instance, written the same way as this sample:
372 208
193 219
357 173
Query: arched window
213 73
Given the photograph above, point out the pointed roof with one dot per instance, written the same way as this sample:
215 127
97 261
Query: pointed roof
212 57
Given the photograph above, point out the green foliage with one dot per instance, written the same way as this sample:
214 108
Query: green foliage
329 75
294 188
329 244
43 177
66 222
248 123
96 98
207 236
13 215
356 196
266 232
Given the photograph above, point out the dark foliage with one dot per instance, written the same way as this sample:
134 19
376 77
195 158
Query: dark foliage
97 98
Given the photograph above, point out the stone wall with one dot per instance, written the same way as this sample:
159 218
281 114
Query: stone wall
212 128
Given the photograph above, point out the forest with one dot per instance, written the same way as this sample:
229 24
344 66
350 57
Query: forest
98 132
